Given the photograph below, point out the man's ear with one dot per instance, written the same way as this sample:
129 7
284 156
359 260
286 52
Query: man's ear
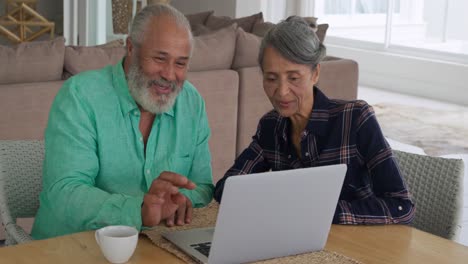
316 74
130 47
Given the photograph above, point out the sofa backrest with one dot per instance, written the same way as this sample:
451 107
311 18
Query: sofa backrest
25 108
29 62
220 90
224 70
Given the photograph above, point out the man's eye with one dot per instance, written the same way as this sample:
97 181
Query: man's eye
158 58
182 64
293 79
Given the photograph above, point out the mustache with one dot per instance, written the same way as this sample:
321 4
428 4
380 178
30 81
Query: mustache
162 82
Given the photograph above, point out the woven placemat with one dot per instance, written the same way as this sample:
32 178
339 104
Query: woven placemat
206 217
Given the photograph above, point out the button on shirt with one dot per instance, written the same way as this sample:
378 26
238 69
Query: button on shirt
96 169
337 132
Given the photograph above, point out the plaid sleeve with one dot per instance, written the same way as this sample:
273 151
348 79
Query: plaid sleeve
387 200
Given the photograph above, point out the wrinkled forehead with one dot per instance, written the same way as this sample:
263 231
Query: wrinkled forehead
164 34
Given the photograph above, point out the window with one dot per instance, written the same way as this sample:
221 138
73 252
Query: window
431 28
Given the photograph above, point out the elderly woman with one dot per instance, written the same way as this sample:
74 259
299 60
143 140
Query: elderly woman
307 129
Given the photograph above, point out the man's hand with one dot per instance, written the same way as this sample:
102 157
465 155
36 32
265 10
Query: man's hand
183 215
163 198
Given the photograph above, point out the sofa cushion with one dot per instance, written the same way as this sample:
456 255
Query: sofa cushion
247 48
36 61
220 89
200 29
214 51
344 87
198 18
253 104
261 28
26 108
321 32
80 58
247 23
112 44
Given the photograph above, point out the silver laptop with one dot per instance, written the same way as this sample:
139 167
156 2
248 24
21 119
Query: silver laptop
268 215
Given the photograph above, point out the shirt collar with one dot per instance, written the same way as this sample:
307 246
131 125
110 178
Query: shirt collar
127 103
318 119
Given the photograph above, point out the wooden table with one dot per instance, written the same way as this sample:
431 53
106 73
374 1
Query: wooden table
368 244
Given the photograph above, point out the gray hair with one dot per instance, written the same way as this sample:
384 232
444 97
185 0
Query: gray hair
295 40
142 18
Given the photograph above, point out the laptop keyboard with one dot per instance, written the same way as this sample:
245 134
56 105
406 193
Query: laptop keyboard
203 248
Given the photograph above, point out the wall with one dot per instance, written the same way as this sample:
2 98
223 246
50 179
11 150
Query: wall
221 8
458 9
409 75
50 9
248 7
231 8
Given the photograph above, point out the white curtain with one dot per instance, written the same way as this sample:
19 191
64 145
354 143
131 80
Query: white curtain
371 6
277 10
336 7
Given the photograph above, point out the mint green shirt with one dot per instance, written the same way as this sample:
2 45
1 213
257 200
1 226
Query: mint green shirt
96 169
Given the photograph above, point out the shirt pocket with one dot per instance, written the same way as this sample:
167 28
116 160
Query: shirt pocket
181 164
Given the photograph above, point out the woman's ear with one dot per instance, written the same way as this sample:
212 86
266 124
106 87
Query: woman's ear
316 74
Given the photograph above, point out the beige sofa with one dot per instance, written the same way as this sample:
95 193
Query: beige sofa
225 75
223 69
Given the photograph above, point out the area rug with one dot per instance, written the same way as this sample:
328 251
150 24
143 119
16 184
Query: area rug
437 132
206 217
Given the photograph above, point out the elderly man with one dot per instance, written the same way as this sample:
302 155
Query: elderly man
128 144
307 129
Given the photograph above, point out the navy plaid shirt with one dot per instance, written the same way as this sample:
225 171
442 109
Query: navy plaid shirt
338 132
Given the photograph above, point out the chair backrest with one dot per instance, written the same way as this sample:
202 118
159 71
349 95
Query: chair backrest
20 176
436 185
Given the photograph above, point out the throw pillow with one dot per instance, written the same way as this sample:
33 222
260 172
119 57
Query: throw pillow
214 51
37 61
321 32
246 23
200 29
198 18
80 58
247 48
261 28
113 44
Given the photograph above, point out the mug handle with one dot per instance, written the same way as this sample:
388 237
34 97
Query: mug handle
96 235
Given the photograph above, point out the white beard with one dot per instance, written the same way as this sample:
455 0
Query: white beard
139 87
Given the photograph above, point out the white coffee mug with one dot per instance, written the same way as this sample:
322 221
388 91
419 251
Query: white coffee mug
117 243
